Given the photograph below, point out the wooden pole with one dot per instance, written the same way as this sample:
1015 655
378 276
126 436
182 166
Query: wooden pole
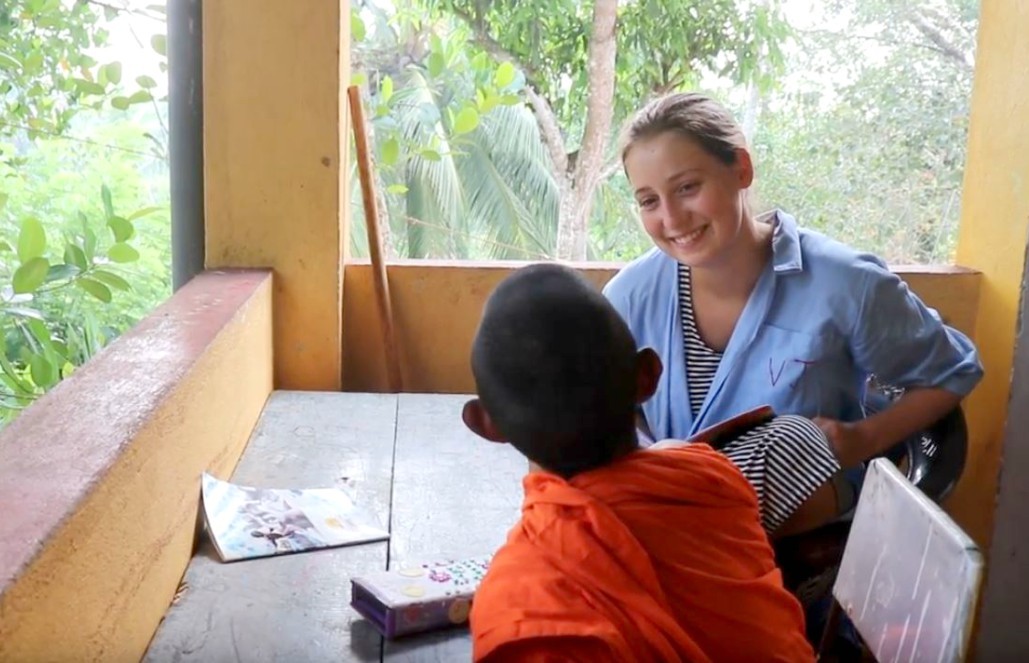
371 216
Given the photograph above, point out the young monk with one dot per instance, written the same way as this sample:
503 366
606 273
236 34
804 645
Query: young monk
621 554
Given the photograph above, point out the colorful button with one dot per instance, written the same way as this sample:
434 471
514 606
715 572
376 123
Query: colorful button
458 612
414 591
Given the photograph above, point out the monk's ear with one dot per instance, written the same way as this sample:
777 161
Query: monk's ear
477 419
648 373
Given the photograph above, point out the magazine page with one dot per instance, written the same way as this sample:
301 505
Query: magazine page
246 522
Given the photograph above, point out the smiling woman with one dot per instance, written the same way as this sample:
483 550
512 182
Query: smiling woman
748 310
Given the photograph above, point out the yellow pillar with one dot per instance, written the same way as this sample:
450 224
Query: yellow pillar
994 224
275 143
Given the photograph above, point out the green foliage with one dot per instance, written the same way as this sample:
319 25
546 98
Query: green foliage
662 44
458 154
83 220
46 75
877 161
46 329
457 148
616 235
861 129
61 181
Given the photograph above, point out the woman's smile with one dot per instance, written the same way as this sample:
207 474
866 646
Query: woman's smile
688 240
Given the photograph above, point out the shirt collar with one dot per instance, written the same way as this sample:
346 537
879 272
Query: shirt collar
786 255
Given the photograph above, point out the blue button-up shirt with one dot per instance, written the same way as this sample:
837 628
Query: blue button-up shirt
821 318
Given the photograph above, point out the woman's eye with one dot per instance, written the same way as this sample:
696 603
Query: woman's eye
648 203
689 187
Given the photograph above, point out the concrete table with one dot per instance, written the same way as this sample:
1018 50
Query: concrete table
408 458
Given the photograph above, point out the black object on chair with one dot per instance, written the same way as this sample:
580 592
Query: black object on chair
933 459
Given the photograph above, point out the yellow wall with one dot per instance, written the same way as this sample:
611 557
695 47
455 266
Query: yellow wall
275 136
437 305
177 396
994 222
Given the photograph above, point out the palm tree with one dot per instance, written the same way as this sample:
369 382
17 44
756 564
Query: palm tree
483 193
480 189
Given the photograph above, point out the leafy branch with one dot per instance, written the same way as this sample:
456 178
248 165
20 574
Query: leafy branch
35 351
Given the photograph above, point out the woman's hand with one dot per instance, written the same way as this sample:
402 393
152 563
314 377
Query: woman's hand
854 443
848 440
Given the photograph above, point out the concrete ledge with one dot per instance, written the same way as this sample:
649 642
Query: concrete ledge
99 480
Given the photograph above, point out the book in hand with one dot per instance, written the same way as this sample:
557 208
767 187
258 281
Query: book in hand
724 432
419 597
245 522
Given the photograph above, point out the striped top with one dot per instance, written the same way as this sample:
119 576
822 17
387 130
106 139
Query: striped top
786 459
701 361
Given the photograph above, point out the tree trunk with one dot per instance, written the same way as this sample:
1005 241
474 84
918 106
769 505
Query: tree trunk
579 186
577 182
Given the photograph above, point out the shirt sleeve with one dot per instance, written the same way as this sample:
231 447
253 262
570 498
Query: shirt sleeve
904 343
556 649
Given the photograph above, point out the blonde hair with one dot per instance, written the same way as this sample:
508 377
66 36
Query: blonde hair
690 114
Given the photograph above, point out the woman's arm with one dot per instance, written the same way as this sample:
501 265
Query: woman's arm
916 410
904 344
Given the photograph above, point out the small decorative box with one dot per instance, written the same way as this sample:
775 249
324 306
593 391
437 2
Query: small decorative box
417 598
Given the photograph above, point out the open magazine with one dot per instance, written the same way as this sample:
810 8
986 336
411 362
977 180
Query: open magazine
245 522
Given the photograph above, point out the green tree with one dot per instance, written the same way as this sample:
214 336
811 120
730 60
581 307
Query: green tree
463 170
38 350
83 214
589 64
875 158
46 75
584 67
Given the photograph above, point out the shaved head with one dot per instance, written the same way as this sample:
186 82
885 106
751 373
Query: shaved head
556 369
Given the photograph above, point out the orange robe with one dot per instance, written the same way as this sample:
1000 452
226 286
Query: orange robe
658 557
